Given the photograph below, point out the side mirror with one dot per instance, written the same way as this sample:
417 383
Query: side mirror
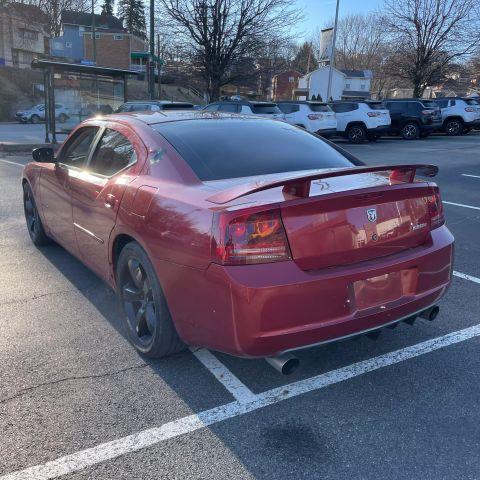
43 155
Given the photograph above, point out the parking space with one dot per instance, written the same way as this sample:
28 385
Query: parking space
77 401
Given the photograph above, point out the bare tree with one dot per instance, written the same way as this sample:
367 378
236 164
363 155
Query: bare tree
430 34
221 33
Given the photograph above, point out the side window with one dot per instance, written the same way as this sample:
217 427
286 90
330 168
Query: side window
413 107
75 153
211 108
246 109
286 107
341 107
454 103
395 107
154 108
113 153
228 107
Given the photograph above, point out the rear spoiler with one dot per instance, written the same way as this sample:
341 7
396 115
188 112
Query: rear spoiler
299 185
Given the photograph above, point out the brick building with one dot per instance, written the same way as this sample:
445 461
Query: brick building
283 85
115 50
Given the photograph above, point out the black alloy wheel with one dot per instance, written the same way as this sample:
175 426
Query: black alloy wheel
454 127
356 134
147 319
410 131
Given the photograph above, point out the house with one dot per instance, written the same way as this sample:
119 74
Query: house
345 84
283 85
23 34
114 46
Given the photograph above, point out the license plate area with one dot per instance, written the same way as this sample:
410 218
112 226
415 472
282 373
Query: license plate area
383 289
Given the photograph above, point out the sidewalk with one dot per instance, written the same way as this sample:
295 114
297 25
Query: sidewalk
16 137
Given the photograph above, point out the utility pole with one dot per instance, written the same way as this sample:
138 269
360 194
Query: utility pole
94 43
151 64
159 66
332 55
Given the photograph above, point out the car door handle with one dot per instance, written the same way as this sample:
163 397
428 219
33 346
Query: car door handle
110 201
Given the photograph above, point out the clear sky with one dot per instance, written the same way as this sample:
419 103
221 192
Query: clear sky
318 12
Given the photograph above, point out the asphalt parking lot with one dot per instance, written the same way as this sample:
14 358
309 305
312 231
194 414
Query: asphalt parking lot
77 401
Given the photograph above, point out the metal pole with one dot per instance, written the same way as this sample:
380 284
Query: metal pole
332 56
159 66
151 65
53 125
46 93
94 44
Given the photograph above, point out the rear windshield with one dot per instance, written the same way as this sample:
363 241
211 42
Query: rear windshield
320 107
176 106
229 148
260 108
377 105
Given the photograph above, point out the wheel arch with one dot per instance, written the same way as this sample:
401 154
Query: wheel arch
453 117
355 123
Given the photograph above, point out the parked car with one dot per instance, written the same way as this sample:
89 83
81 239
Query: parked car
414 118
240 234
360 120
459 115
262 109
153 106
37 113
315 117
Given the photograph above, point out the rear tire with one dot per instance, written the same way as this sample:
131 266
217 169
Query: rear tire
146 317
32 217
34 118
410 131
356 134
454 127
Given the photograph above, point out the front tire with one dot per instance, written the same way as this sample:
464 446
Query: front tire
32 217
35 119
410 131
454 127
147 320
356 134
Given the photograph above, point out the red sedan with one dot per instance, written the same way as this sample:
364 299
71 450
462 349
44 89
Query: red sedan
243 235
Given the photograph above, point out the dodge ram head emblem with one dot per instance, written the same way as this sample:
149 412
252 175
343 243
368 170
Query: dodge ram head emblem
372 214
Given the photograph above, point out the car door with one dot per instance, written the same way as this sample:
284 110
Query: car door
396 113
55 186
97 193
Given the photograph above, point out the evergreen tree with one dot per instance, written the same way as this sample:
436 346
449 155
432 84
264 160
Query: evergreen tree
107 7
305 60
133 15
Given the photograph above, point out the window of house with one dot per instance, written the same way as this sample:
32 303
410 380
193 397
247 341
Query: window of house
291 79
97 36
118 37
81 31
68 44
113 153
26 34
362 86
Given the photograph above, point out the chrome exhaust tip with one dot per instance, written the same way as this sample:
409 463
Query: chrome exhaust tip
431 313
285 363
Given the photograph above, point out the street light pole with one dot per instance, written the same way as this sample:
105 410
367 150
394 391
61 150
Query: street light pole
151 65
332 55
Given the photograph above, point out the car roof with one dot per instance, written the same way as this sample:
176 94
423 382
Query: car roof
155 102
243 102
302 102
164 116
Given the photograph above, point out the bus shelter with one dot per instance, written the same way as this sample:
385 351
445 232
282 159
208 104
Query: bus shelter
73 92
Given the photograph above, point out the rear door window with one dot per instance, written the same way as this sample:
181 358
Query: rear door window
377 105
319 107
233 148
265 109
343 107
396 107
177 106
211 108
114 152
228 108
288 107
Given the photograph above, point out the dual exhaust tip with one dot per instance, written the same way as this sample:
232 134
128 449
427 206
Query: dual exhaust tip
286 363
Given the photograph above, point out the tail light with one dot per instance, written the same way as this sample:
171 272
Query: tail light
435 207
373 114
249 238
428 112
470 109
315 116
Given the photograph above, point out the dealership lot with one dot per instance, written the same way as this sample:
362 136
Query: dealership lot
405 406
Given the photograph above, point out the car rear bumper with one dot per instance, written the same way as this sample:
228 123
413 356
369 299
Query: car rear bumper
262 310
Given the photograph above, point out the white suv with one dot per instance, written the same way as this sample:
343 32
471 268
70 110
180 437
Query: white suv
262 109
359 121
459 115
315 117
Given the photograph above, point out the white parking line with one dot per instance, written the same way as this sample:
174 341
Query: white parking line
146 438
12 163
467 277
473 176
238 389
461 205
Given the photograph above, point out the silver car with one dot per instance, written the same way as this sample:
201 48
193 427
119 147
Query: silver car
37 113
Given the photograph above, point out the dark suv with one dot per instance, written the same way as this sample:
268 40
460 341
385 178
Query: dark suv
414 118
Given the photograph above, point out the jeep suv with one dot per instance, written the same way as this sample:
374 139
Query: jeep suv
414 118
359 121
459 115
315 117
263 109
